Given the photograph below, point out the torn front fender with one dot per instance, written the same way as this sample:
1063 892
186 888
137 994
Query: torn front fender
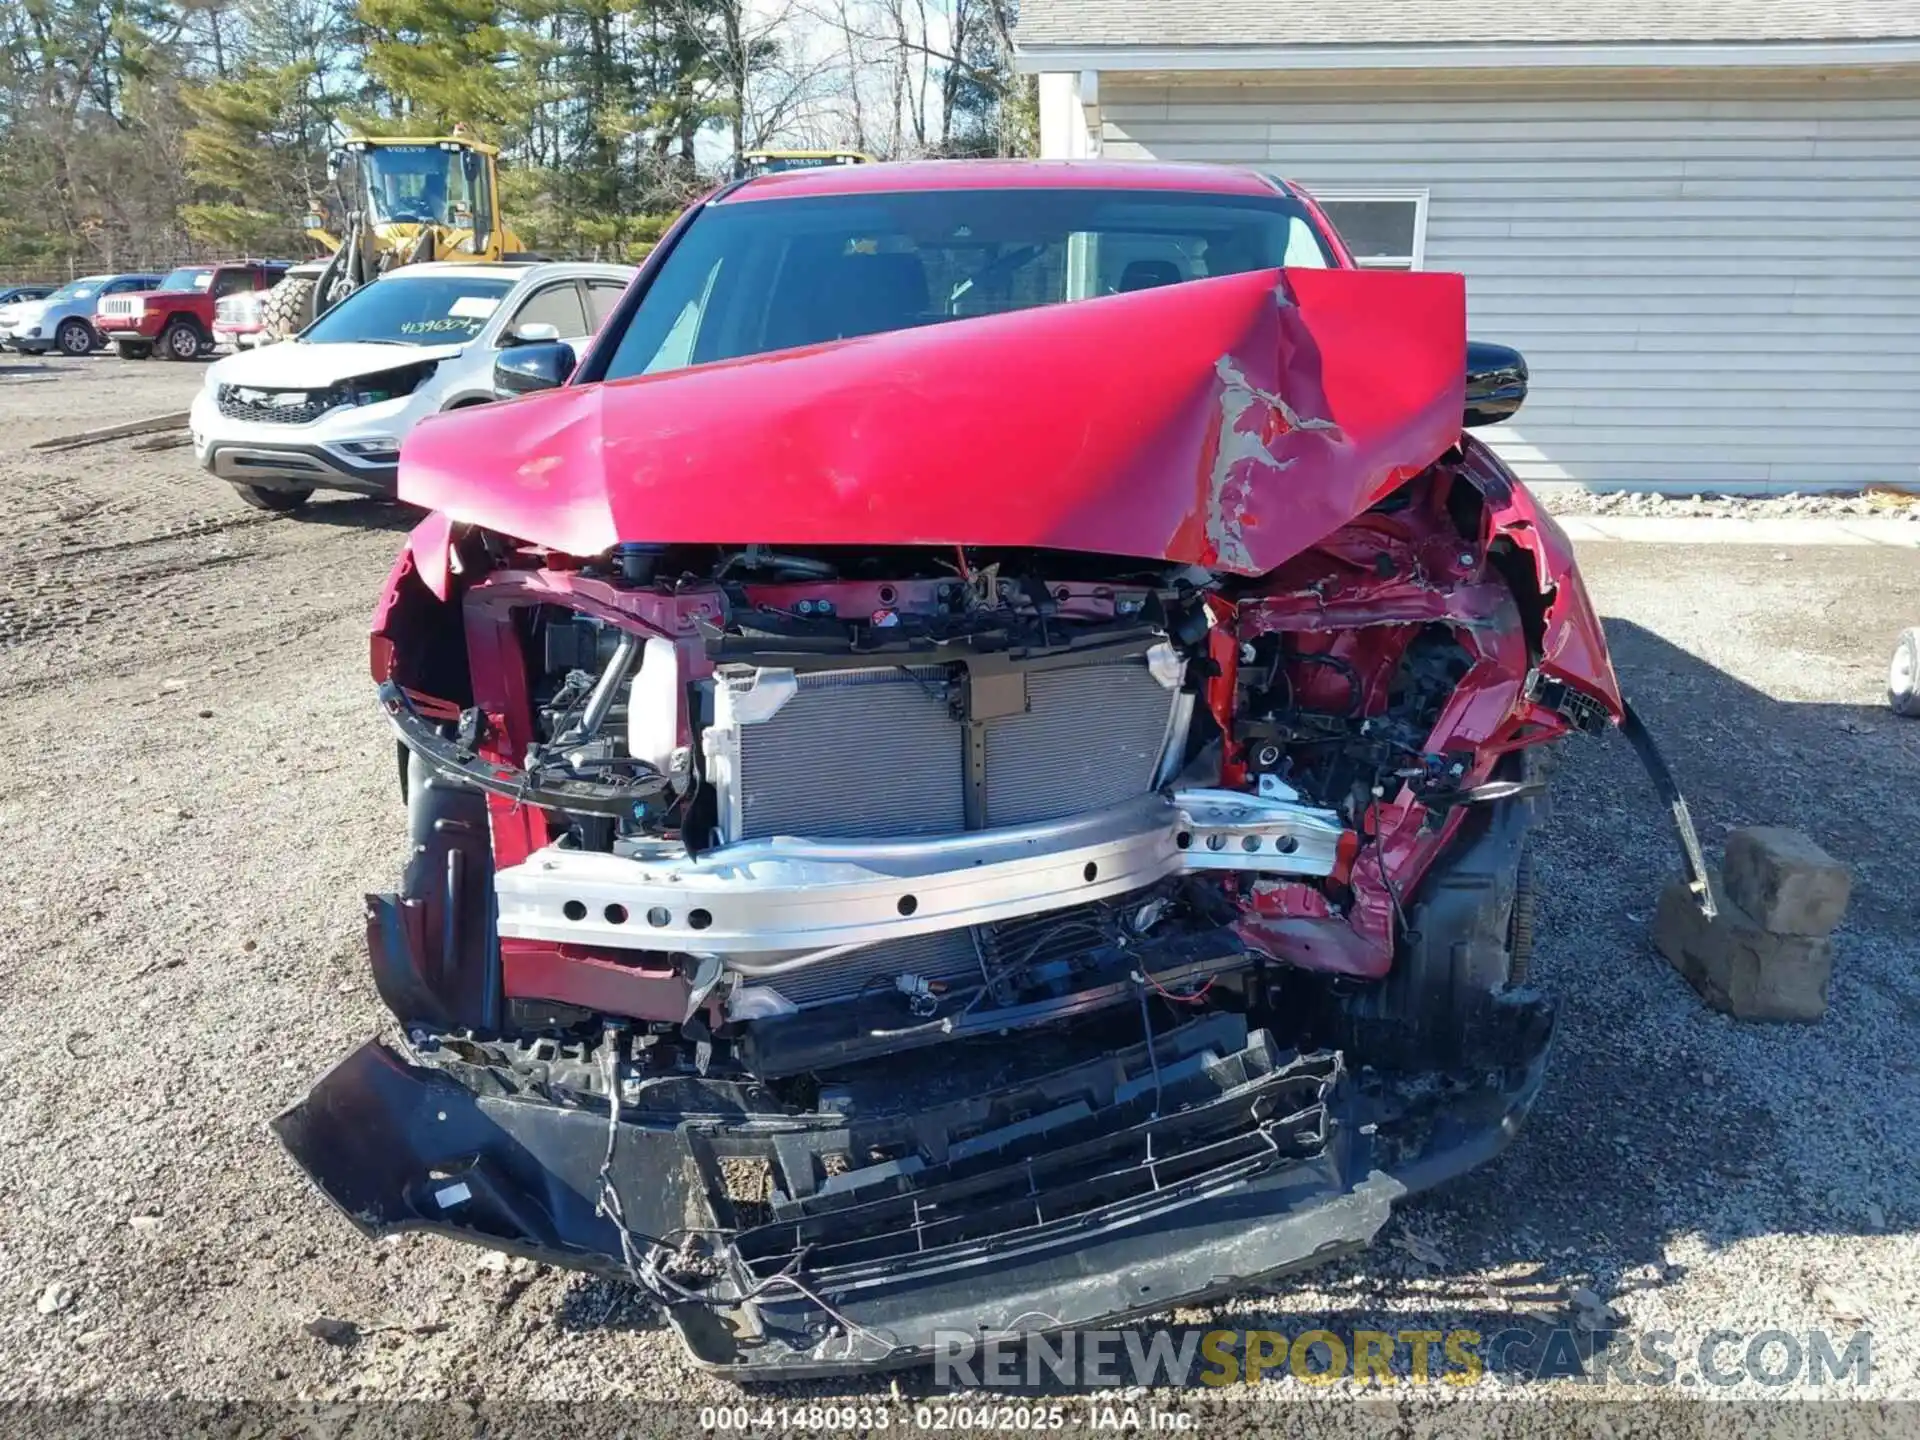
1229 423
1573 644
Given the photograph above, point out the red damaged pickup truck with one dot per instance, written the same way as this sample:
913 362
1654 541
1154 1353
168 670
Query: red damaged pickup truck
178 315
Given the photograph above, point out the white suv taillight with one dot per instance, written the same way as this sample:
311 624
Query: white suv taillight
240 309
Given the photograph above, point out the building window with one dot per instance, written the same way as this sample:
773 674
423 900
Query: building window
1385 229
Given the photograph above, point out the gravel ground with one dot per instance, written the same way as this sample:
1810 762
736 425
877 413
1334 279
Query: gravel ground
1569 499
201 792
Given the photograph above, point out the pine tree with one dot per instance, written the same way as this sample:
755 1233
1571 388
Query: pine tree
252 160
437 63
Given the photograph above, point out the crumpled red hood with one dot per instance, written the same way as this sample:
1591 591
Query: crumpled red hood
1229 423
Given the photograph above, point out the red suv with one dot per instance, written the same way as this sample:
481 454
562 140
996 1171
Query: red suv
970 767
178 315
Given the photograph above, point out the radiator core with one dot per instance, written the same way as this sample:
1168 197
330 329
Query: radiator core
881 753
877 753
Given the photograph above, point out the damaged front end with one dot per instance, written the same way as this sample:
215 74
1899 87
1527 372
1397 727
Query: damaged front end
858 944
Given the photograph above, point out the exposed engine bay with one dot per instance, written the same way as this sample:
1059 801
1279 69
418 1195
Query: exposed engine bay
1087 833
808 808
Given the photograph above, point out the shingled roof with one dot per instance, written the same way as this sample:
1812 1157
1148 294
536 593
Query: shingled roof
1081 23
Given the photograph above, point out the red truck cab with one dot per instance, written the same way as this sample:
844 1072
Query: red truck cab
178 315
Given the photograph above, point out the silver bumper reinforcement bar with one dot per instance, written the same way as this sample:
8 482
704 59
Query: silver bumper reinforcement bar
777 904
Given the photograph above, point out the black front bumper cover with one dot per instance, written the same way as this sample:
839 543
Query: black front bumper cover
1075 1192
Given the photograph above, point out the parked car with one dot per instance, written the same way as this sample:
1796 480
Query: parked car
15 298
64 320
176 315
938 810
328 409
15 294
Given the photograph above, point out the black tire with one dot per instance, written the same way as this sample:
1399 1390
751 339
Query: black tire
288 307
281 502
76 338
182 340
1903 675
133 349
1467 936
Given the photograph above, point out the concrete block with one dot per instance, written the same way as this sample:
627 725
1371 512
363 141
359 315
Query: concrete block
1784 881
1737 965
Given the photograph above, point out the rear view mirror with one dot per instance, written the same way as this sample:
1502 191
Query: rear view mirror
533 332
524 369
1496 383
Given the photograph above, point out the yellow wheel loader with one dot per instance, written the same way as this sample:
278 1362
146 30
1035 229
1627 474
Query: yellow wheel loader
394 201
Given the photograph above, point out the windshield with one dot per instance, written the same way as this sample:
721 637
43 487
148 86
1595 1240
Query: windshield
409 310
189 277
77 289
772 274
417 184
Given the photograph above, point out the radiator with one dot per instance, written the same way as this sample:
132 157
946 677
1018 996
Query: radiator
947 955
854 754
875 753
957 956
1091 739
879 753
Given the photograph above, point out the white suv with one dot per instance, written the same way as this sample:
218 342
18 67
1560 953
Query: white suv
328 409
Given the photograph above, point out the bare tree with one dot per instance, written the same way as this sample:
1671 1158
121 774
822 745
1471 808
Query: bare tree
927 66
753 68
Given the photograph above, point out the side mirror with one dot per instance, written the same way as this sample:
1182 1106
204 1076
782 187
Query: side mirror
524 369
1496 383
534 332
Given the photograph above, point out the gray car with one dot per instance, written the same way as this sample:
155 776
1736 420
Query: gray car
64 320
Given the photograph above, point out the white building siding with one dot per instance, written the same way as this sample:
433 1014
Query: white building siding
1716 284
